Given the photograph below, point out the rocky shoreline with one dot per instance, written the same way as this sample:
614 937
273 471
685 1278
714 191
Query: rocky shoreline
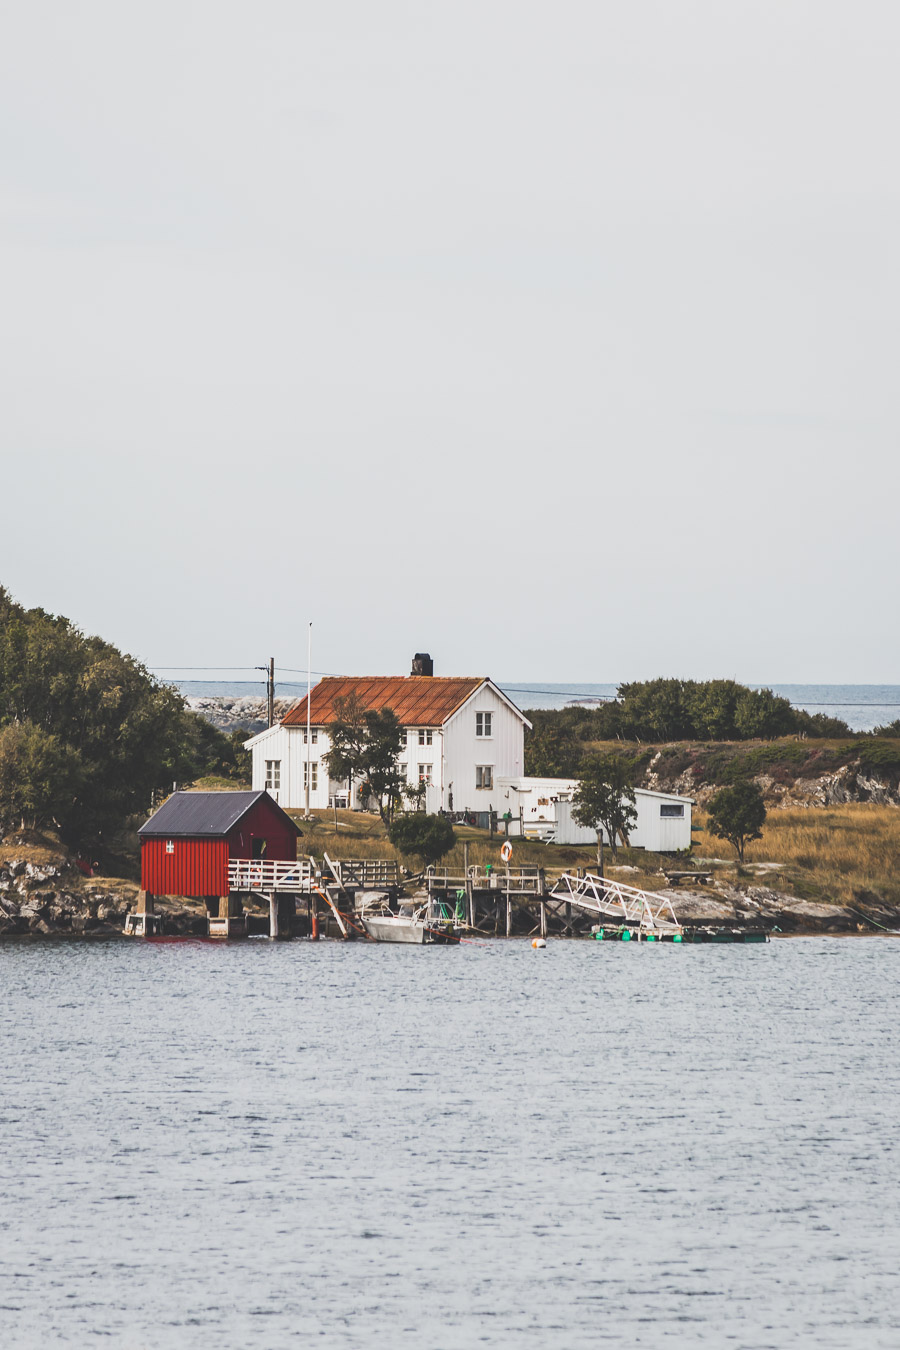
238 714
53 899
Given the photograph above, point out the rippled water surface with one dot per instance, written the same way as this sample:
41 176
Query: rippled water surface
269 1145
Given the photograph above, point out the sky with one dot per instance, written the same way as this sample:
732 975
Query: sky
560 341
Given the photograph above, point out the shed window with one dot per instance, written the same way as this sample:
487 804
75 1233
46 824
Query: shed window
170 845
675 810
484 775
273 774
425 774
483 724
313 767
426 735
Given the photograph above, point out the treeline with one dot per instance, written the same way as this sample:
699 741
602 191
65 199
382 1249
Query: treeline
662 710
87 735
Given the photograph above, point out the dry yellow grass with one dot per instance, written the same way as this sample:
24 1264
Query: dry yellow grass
836 852
361 835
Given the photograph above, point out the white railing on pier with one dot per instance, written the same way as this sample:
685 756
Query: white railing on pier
258 874
613 899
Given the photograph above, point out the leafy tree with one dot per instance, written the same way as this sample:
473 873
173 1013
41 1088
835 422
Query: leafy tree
116 735
604 799
761 714
365 743
40 777
822 725
428 838
655 710
552 751
737 814
415 794
711 707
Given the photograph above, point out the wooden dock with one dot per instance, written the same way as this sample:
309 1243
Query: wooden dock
500 901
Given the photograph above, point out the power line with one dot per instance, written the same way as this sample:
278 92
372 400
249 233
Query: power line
520 689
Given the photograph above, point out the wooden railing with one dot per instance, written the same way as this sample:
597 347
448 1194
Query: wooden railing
257 874
367 873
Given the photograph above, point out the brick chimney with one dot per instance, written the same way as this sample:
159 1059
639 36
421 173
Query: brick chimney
422 664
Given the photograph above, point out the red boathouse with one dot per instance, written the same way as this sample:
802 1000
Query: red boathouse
187 844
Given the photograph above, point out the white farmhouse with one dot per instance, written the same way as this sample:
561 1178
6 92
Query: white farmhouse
461 735
544 806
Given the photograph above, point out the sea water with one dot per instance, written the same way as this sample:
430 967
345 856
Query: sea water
258 1144
862 706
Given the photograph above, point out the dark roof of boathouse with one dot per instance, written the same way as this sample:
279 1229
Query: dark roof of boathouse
209 815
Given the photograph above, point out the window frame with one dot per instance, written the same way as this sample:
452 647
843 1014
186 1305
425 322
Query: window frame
484 720
273 775
483 771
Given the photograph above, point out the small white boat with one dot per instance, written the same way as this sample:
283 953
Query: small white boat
394 928
411 925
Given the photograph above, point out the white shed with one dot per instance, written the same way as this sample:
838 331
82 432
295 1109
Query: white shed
663 818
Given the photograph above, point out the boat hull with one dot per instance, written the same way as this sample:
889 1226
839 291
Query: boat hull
394 929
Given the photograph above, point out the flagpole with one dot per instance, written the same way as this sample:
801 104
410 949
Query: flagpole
308 710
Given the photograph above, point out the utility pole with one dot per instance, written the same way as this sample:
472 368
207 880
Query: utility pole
271 709
308 710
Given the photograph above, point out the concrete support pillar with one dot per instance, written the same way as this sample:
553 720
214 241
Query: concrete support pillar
273 915
145 903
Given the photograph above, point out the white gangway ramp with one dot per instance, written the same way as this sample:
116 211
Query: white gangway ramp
643 910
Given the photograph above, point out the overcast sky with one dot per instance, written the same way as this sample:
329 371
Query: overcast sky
559 340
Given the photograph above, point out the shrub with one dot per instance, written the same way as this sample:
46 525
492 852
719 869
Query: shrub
428 838
880 758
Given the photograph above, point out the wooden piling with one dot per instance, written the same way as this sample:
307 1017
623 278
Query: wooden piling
273 915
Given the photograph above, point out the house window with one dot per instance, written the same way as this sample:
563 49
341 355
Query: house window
483 724
426 735
675 810
313 766
313 736
425 774
273 774
401 770
484 776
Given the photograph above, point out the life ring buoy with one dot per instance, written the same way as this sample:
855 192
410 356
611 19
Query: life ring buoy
506 851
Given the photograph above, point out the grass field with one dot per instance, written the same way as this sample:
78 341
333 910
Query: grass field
837 853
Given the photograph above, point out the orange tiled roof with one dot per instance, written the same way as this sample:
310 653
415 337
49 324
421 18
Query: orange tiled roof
418 700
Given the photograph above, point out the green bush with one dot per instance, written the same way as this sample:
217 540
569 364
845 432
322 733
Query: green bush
880 758
416 835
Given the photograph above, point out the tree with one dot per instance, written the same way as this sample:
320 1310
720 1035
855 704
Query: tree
552 750
737 814
415 794
365 743
428 838
115 733
760 714
604 799
40 777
